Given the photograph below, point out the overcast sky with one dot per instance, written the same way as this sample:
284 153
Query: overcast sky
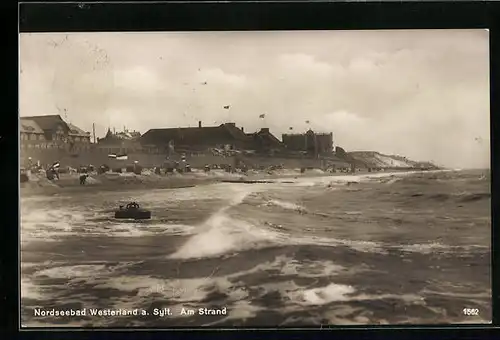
421 94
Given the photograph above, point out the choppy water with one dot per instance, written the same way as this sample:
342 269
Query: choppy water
382 249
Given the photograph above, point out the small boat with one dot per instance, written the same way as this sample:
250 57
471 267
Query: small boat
132 211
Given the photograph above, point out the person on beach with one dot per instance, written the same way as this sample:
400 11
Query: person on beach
83 179
29 164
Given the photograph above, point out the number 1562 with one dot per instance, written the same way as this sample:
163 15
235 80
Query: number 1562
470 311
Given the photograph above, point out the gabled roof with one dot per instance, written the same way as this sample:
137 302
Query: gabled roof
266 136
29 126
75 130
234 131
47 122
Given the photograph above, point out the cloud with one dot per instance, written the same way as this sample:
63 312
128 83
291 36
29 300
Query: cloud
218 77
138 78
300 64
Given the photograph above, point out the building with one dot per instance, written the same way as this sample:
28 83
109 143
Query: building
78 139
224 136
123 142
30 132
264 141
77 135
52 131
309 142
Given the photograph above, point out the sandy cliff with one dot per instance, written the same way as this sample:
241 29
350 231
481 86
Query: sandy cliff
374 159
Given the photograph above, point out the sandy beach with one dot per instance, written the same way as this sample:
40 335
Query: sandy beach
68 183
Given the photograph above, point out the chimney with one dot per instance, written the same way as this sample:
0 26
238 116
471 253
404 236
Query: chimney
242 130
264 130
199 123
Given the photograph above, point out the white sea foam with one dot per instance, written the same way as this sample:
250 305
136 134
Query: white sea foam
324 295
342 179
83 271
69 272
139 229
315 269
435 247
175 290
286 205
39 223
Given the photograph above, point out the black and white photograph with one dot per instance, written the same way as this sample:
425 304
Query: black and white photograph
254 178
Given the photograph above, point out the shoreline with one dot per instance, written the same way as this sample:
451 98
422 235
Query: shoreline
40 186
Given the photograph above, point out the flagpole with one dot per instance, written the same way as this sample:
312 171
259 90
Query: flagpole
263 117
227 107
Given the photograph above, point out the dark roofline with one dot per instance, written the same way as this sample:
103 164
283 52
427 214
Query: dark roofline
189 127
78 131
44 116
48 122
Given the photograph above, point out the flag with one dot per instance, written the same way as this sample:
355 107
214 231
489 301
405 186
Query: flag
227 107
112 155
307 122
122 157
262 116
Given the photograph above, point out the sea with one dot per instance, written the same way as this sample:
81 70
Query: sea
370 249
